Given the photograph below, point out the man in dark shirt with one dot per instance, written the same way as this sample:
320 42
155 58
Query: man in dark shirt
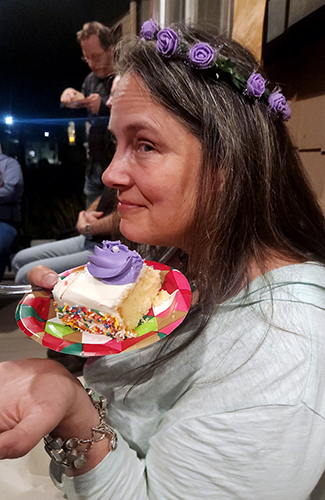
11 189
96 43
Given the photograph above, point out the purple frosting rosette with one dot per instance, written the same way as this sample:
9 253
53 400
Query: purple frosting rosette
115 264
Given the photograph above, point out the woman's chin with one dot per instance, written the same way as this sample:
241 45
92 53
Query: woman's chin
132 233
136 235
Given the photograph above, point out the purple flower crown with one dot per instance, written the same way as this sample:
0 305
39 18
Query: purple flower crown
204 57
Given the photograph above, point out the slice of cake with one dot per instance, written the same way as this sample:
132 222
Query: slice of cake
111 294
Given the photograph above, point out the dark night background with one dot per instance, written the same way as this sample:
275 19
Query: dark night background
39 58
39 54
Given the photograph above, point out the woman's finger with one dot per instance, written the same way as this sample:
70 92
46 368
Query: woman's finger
42 276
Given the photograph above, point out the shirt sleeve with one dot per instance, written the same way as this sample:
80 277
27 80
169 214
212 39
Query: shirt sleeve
84 88
12 182
88 88
120 475
269 452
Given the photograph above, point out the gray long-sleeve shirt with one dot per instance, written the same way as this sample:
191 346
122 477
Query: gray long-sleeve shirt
239 414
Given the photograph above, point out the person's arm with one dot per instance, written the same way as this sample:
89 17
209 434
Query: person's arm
40 396
106 225
104 110
85 217
245 454
272 450
91 223
93 206
94 104
93 101
12 182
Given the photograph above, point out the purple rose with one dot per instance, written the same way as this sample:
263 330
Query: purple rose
277 101
167 41
255 85
148 29
286 113
201 55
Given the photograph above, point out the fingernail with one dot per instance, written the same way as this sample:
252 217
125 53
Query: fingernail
50 280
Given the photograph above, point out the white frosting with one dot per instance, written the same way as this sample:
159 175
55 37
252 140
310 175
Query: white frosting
82 289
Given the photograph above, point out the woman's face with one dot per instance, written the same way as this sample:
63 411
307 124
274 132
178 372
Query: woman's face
155 167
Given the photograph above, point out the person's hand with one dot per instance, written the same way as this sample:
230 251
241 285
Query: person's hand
39 396
69 95
93 102
87 217
43 277
36 396
72 98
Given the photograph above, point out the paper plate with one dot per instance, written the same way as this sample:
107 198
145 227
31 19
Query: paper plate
36 317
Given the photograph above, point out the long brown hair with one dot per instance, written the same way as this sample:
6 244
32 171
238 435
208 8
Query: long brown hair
254 199
253 195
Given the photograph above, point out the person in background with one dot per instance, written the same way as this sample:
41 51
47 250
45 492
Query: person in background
11 190
98 222
230 405
97 45
94 224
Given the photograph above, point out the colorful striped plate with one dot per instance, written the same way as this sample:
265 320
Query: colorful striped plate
36 317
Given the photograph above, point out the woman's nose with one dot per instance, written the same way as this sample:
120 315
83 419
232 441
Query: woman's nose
116 175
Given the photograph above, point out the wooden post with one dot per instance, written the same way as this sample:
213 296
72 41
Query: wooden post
248 24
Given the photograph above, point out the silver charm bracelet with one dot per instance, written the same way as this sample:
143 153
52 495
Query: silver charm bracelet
88 233
66 453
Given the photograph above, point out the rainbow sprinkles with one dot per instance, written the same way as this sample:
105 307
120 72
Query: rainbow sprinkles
93 321
110 295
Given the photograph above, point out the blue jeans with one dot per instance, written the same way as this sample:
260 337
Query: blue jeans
57 255
7 237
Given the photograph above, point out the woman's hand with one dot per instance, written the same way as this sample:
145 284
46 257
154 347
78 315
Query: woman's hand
42 276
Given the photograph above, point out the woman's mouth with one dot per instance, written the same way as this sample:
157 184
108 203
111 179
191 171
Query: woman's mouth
125 206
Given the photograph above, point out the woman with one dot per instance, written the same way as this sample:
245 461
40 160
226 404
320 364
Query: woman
231 404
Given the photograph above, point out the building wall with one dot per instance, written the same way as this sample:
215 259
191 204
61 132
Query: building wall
301 75
298 67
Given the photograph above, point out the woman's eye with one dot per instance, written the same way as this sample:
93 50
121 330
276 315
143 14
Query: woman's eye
145 148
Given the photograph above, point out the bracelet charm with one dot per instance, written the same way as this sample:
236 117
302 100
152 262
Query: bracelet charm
88 232
66 452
